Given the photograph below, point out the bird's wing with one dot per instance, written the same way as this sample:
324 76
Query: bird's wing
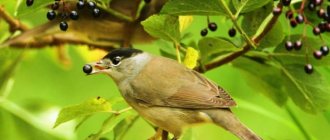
177 86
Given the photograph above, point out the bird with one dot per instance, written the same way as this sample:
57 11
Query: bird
167 94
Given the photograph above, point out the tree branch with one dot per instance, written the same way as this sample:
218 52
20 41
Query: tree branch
245 49
14 24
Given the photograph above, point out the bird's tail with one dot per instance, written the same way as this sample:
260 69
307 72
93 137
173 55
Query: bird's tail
226 119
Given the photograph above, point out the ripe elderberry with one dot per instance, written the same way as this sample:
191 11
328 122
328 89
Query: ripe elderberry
204 32
80 4
277 11
96 12
55 5
321 13
300 18
293 23
91 4
64 26
74 15
212 26
286 2
317 54
297 45
311 6
51 15
29 2
87 69
288 45
308 68
147 1
316 30
324 50
289 14
232 32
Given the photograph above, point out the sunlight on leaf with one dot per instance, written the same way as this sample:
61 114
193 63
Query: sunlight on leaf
86 108
23 10
190 60
185 22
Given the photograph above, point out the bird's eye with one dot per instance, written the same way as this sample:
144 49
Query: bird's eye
116 60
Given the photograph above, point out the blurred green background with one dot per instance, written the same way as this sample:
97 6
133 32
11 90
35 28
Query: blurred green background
33 92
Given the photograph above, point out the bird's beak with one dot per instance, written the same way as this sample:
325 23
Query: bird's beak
95 68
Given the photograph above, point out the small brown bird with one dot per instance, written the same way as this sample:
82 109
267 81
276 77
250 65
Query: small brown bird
167 94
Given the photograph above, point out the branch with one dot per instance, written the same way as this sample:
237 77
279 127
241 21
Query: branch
245 49
14 24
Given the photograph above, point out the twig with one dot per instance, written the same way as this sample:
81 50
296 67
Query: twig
246 47
13 23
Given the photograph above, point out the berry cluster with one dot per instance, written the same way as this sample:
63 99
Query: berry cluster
212 26
296 17
62 10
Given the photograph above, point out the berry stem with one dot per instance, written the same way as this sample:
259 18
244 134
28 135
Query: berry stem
177 50
234 20
13 23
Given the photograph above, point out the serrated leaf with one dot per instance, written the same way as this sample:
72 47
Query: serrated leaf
163 26
245 6
308 91
309 45
22 9
86 108
210 45
193 7
251 22
264 78
274 37
190 60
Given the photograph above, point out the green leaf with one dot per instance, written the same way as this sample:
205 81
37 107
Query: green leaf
274 37
193 7
264 78
209 46
37 5
244 6
252 21
81 110
299 57
163 26
309 91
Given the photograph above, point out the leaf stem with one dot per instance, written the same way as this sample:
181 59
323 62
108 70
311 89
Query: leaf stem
234 20
177 50
297 122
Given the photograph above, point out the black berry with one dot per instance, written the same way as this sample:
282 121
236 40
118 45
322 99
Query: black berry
311 6
55 5
277 11
308 68
64 26
288 45
327 27
232 32
204 32
328 9
293 23
324 50
322 26
316 30
80 4
29 2
321 13
212 26
74 15
51 15
91 5
289 14
318 54
297 45
286 2
317 2
87 69
96 12
300 18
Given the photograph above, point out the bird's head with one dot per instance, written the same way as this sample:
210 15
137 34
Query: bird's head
119 64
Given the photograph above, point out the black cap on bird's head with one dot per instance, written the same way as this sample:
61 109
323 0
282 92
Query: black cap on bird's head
114 57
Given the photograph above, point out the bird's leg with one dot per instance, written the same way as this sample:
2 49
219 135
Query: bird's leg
164 135
157 135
